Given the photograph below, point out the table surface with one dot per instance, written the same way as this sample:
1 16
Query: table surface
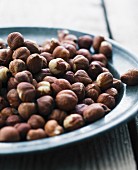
116 149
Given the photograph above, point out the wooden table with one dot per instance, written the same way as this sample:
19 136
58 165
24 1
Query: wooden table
116 149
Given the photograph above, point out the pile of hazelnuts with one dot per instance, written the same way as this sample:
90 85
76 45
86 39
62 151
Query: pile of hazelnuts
55 87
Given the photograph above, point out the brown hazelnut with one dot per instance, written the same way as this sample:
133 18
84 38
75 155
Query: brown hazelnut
93 112
94 70
23 129
52 128
12 83
107 100
58 115
100 57
97 42
85 53
82 76
16 66
50 46
73 122
5 56
85 41
21 53
15 40
66 100
130 77
87 101
69 75
43 88
34 134
72 50
9 134
106 49
61 34
13 98
4 74
50 79
42 74
112 91
117 84
27 109
36 121
24 76
13 119
32 46
47 56
99 62
71 37
79 90
7 111
92 91
58 66
26 91
79 108
105 80
80 62
61 52
2 44
45 105
59 85
69 42
34 63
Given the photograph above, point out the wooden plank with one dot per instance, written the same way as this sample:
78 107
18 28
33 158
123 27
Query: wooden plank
112 150
122 17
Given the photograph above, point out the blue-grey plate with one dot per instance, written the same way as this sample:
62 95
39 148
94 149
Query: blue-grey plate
126 109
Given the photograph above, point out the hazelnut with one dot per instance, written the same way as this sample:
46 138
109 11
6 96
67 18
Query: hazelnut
12 83
87 101
69 42
15 40
85 53
66 100
61 52
4 74
79 89
105 80
97 42
36 121
99 62
5 56
71 37
21 53
9 134
112 91
62 34
73 122
106 49
58 66
34 63
45 105
130 77
69 75
85 41
43 88
2 44
58 115
34 134
32 46
100 57
52 128
51 45
72 50
47 56
107 100
43 73
24 76
92 91
23 129
50 79
82 76
13 98
13 119
16 66
8 111
59 85
93 112
27 109
117 83
80 62
94 70
80 108
26 91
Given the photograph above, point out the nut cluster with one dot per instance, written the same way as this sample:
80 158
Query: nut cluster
58 86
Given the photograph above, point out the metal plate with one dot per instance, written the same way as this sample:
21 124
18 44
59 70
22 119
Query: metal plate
126 109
